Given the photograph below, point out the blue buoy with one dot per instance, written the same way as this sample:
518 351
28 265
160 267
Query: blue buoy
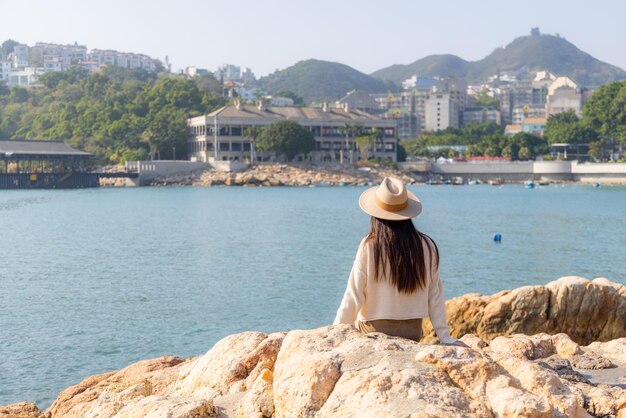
497 237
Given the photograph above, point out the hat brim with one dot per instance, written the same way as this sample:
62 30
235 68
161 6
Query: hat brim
369 206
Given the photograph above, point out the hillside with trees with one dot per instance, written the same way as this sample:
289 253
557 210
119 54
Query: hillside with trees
523 56
118 114
317 81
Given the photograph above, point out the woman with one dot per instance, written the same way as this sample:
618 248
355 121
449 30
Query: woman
394 281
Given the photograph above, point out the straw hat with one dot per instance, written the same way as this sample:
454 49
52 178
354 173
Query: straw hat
390 201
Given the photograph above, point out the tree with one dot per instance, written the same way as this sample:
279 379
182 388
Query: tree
7 47
297 100
566 128
252 132
595 150
484 100
286 137
605 111
365 145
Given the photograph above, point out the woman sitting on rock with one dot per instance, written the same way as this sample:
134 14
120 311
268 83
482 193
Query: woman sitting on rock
394 281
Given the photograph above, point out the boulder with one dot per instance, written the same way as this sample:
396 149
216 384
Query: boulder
586 310
20 410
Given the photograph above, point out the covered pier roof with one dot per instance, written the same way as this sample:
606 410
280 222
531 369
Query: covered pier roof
36 150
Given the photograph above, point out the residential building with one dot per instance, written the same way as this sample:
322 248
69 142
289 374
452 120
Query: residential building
512 129
19 56
57 57
564 94
221 135
228 72
5 70
194 71
122 59
534 126
247 76
442 112
25 77
481 115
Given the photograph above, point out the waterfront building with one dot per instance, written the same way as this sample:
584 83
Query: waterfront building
221 135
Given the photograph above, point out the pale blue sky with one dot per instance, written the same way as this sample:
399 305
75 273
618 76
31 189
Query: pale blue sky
274 34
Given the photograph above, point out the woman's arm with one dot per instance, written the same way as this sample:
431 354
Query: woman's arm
353 298
437 307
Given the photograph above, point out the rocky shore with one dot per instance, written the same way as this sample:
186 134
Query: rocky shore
335 371
285 175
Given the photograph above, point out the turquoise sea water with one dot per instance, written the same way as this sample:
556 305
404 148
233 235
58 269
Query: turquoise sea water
93 280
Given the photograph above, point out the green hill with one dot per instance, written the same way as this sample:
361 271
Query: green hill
316 80
524 55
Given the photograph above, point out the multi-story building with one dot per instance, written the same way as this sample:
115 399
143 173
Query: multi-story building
5 70
58 57
481 115
228 72
19 56
222 135
122 59
564 94
27 76
442 112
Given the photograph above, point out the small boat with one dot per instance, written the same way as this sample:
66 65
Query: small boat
529 185
543 183
496 182
596 185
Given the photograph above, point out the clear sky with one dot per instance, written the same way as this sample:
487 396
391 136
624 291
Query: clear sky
266 35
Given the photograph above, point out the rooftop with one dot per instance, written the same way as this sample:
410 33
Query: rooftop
294 113
24 148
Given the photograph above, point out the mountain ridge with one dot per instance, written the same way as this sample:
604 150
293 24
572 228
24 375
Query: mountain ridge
523 55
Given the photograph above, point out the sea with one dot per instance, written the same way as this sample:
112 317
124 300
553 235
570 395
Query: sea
93 280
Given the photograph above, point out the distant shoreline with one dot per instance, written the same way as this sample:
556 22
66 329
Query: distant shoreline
286 175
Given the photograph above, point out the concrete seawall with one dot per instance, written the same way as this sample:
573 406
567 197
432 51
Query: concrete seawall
522 170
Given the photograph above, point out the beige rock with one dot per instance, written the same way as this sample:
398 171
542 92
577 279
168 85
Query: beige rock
170 407
75 401
20 410
232 365
585 310
546 384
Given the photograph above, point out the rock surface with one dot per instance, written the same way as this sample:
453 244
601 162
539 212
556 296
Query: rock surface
287 175
585 310
337 371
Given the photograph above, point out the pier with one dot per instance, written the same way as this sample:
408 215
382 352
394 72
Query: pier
36 164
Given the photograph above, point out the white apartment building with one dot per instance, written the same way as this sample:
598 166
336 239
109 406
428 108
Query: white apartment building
121 59
20 56
441 112
5 70
564 94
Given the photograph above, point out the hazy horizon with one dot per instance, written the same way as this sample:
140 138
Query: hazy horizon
276 34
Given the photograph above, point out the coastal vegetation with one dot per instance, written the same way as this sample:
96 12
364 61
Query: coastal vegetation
118 114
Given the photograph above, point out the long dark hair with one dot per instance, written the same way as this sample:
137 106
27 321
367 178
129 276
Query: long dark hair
400 246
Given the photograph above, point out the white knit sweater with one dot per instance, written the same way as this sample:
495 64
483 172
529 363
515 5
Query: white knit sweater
367 299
